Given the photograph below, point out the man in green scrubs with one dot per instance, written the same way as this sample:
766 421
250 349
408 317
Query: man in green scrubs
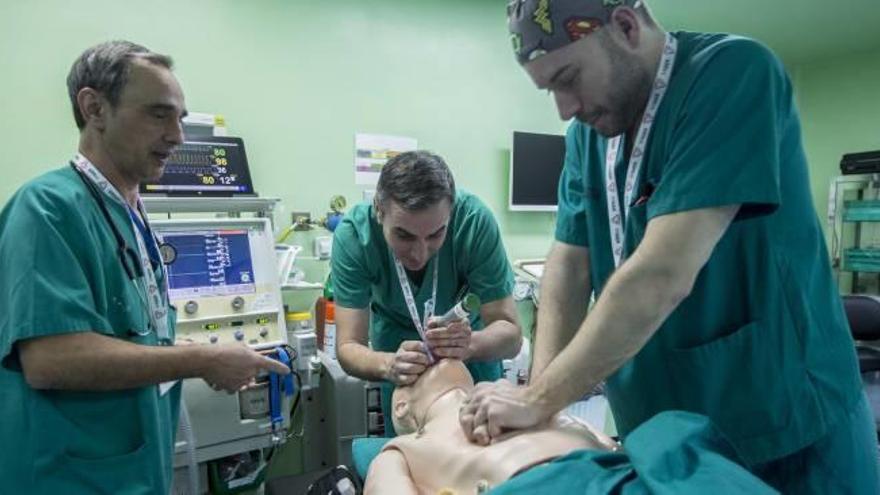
684 203
90 375
423 237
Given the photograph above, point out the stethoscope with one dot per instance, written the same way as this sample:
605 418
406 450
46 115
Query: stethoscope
128 257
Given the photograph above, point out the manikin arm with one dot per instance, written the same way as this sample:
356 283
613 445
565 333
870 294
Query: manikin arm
389 474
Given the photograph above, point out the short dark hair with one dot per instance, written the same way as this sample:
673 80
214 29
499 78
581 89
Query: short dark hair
415 180
105 68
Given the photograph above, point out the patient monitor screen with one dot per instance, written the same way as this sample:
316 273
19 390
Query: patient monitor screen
215 166
210 263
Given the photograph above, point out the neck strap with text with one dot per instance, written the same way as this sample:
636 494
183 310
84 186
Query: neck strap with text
156 303
421 325
617 215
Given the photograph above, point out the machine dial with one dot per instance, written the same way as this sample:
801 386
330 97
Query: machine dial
191 307
238 303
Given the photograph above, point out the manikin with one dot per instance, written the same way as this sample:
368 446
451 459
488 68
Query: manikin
432 454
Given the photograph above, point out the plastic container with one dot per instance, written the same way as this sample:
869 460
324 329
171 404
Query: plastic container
330 330
862 260
321 309
861 211
296 321
320 320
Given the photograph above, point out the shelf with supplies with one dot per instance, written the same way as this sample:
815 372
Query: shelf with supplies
854 228
861 211
861 260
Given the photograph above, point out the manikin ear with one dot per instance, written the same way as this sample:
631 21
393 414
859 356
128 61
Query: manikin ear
404 422
93 107
401 410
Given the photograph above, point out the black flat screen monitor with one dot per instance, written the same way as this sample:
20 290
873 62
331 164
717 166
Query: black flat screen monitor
535 166
205 166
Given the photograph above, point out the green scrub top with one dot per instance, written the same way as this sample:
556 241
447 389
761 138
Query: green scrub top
62 275
674 453
761 345
472 259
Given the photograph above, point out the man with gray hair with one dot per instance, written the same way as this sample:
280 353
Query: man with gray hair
684 204
90 373
415 252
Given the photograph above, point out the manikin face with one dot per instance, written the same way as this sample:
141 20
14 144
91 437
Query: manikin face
411 403
144 127
597 80
414 236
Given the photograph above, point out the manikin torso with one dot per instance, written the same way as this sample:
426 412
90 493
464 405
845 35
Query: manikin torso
441 457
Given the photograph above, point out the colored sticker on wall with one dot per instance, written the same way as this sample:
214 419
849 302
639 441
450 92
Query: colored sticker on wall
542 16
578 27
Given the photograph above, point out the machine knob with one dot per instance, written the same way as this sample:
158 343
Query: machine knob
212 338
315 363
239 335
191 307
238 303
264 332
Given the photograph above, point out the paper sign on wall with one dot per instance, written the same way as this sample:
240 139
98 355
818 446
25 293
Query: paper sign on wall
371 151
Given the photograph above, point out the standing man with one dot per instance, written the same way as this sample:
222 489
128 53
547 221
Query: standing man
685 204
415 252
90 375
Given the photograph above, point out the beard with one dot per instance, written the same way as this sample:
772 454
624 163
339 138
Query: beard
628 93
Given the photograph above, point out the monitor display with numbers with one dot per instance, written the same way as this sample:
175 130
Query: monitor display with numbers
205 166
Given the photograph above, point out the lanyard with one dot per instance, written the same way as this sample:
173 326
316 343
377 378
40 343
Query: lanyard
411 301
146 233
616 219
155 302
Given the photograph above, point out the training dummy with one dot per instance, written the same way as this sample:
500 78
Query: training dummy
432 454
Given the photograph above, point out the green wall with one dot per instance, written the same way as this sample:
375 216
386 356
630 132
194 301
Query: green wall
297 79
839 100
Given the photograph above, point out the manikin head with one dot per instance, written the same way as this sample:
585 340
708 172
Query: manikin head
410 404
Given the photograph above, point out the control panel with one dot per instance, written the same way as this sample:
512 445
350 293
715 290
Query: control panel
223 280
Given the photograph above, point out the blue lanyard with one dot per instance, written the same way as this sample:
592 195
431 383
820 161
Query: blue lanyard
147 235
